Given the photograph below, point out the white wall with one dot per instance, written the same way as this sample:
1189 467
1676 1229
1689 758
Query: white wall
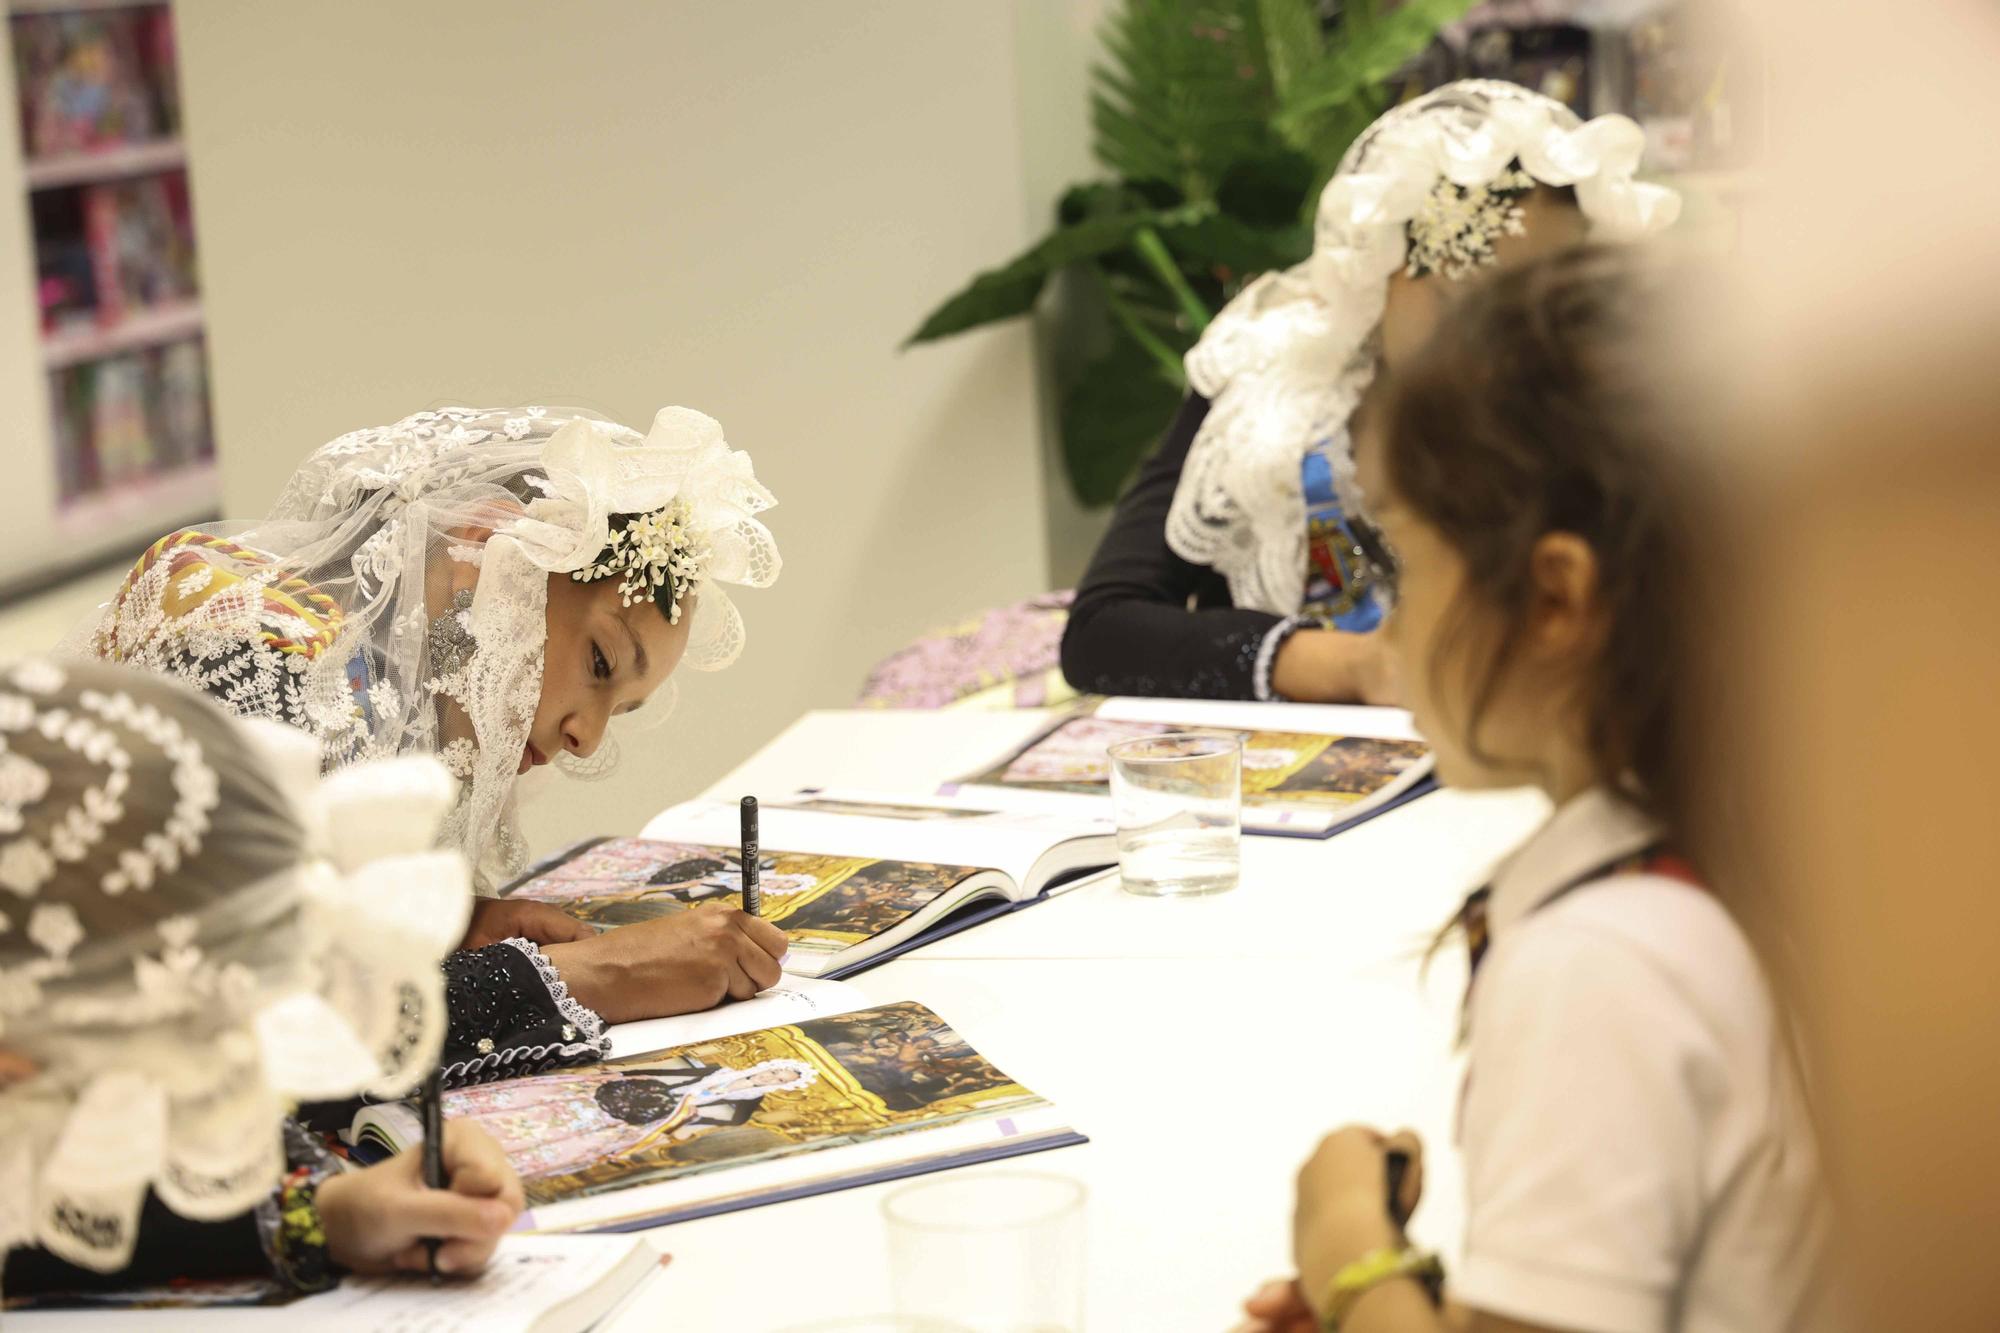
740 207
1055 46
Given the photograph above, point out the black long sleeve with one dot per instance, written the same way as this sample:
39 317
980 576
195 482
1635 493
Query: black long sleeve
171 1247
1146 621
512 1015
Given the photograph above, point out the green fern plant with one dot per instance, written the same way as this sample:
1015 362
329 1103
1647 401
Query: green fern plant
1219 121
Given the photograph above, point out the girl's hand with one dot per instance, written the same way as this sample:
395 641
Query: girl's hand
1336 667
15 1068
1343 1207
1278 1307
678 964
377 1220
496 919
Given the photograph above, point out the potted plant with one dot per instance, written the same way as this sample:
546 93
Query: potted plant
1218 121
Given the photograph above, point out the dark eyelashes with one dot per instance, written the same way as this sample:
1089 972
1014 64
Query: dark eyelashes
598 666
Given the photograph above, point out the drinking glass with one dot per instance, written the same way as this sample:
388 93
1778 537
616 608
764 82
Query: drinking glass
995 1252
1178 800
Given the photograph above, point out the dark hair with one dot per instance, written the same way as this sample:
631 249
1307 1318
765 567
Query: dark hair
1536 407
637 1099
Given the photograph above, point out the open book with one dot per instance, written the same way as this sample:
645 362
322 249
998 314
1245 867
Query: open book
745 1119
535 1284
1309 770
853 880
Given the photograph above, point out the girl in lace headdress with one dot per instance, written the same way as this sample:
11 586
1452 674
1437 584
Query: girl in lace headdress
502 589
1235 566
192 936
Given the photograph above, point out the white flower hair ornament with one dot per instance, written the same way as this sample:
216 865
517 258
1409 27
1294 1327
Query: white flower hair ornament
173 1019
672 517
1429 188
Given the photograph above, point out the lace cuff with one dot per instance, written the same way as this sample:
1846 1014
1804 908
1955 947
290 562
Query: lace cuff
1267 657
511 1014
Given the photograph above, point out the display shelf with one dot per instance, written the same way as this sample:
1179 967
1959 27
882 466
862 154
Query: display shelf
151 504
108 163
106 371
139 329
76 6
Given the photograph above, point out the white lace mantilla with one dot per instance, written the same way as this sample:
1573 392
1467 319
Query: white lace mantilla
319 616
1284 363
177 1003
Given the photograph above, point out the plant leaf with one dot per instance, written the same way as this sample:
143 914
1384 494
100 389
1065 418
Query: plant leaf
1367 53
1185 91
1289 39
1224 242
1011 289
1112 417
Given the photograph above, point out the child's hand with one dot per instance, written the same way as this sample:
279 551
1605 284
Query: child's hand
15 1068
496 919
1334 666
377 1220
1343 1206
675 964
1278 1307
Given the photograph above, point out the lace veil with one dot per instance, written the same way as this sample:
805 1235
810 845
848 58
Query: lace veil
191 938
320 615
1284 364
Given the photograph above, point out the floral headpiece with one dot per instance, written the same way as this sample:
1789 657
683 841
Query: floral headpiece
1429 187
672 514
1457 225
659 555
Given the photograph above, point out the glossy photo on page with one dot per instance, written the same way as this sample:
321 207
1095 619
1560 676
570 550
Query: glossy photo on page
1279 767
824 903
754 1097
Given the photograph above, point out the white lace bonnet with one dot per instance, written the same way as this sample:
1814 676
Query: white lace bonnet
362 526
1285 362
196 931
583 471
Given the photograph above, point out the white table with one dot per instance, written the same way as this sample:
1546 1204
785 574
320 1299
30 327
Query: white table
1203 1045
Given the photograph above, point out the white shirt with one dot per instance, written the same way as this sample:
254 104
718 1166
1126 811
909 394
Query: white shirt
1637 1156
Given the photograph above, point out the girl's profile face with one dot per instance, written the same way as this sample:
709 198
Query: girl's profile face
602 658
1433 648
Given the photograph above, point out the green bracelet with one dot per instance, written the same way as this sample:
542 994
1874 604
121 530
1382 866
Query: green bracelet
1370 1271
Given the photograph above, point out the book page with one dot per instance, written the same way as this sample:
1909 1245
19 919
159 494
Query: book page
825 903
907 828
529 1277
693 1114
792 1000
1390 724
1302 771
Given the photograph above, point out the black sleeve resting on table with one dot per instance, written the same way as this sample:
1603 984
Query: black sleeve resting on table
512 1015
1146 621
172 1248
